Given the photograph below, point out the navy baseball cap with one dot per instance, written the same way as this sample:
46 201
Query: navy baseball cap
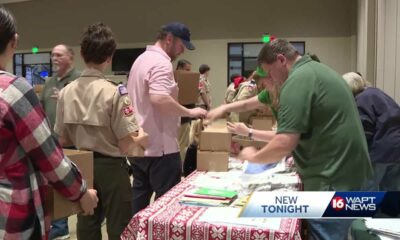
181 31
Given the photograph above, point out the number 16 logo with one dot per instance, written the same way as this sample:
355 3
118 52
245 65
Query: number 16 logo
338 203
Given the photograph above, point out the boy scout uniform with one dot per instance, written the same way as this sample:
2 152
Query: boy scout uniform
49 102
204 87
230 93
246 90
94 113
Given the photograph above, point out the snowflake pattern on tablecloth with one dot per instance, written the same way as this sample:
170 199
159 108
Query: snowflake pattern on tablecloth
177 227
217 233
259 235
238 233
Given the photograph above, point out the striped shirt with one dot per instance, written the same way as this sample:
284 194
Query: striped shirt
30 156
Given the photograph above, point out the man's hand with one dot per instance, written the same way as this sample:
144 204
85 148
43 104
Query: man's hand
197 113
89 202
238 128
247 154
216 113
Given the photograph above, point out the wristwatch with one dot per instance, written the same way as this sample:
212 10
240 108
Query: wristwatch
250 133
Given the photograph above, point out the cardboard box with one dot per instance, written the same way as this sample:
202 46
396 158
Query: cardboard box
262 123
60 207
188 83
216 137
246 142
264 111
212 161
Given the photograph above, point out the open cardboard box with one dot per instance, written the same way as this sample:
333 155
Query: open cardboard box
216 137
246 142
60 207
262 123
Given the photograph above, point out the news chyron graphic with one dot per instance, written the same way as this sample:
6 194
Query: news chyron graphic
323 205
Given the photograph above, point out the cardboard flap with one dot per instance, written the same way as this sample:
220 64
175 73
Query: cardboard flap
262 123
188 83
212 161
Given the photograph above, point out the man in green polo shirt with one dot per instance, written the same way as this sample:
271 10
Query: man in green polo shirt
62 57
318 123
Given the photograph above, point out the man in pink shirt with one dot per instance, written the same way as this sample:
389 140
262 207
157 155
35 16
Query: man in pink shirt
154 94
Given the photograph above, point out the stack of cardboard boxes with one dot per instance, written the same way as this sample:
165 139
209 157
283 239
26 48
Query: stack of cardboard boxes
214 148
259 122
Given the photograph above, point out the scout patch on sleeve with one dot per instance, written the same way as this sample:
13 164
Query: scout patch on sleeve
128 110
201 85
249 88
122 90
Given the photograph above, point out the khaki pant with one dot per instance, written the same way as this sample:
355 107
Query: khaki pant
184 131
112 182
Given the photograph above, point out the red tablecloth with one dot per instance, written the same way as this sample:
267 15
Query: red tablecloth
167 219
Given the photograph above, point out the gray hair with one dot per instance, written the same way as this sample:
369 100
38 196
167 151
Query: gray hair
70 50
355 82
270 51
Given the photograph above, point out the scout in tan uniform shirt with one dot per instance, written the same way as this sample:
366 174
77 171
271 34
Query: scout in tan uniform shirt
95 114
246 90
230 93
204 99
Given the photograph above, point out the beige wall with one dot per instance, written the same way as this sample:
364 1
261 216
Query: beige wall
327 26
388 47
366 43
48 22
336 52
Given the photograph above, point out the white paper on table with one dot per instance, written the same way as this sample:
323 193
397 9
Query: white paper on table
229 215
217 180
384 237
262 178
384 225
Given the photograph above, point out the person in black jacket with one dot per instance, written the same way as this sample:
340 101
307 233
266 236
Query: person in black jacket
380 117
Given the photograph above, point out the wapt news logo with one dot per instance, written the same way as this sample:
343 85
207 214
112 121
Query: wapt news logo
323 205
356 204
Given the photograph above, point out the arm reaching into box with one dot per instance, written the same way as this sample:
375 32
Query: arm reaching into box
243 130
168 105
239 106
280 146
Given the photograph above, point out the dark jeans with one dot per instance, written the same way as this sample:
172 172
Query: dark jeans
326 229
386 177
59 228
153 174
